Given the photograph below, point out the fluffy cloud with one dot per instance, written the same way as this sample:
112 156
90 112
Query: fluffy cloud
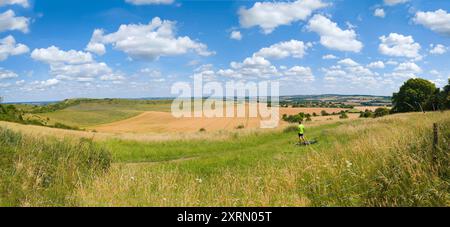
270 15
406 70
437 21
252 67
347 62
53 55
8 47
379 13
74 65
150 2
376 65
329 57
333 37
299 73
394 2
41 85
6 74
294 48
236 35
352 74
147 41
23 3
9 21
399 46
438 49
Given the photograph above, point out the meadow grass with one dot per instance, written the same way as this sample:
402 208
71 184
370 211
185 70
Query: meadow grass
372 162
45 171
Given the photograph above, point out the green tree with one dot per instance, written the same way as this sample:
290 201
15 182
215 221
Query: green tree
444 97
414 95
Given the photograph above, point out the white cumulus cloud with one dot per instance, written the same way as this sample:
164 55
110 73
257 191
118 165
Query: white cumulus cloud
74 65
23 3
399 46
147 41
8 47
333 37
379 13
236 35
329 57
270 15
347 62
9 22
438 49
394 2
294 48
437 21
376 65
6 74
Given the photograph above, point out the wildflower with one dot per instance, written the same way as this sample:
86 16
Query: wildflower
199 180
349 164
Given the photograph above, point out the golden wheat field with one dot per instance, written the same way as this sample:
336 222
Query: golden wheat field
163 122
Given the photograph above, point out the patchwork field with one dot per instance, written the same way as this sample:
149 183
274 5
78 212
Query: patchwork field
163 122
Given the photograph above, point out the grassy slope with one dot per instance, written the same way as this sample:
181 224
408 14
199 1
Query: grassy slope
45 171
101 112
374 162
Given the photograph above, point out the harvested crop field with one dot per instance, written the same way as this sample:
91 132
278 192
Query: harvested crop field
160 122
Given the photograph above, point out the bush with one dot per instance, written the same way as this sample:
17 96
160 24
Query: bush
343 115
241 126
45 172
381 112
366 114
324 113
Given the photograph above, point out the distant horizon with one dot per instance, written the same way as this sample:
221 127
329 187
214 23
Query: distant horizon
173 97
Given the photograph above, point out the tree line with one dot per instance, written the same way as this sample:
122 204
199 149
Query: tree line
421 95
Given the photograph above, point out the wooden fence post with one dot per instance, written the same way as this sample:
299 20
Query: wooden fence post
435 136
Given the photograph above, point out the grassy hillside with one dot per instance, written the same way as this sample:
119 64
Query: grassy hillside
387 161
374 162
45 172
94 112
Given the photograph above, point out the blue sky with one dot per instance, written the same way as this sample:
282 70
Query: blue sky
52 49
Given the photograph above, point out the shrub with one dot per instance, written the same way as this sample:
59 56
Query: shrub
241 126
366 114
343 115
324 113
380 112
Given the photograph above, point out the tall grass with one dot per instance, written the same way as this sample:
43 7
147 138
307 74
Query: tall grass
45 171
367 162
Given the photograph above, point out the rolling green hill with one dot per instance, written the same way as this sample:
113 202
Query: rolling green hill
87 112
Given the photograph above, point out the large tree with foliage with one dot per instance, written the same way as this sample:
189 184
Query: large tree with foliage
415 95
445 96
